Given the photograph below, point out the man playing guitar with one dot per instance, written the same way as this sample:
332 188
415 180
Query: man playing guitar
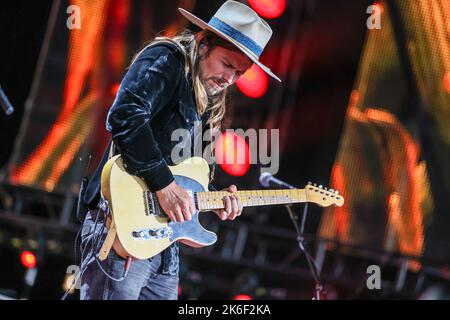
171 83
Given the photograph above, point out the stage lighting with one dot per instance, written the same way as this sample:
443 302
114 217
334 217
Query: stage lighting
253 83
269 9
446 81
28 259
242 297
230 150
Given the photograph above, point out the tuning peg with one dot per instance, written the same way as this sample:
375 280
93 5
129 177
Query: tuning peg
337 192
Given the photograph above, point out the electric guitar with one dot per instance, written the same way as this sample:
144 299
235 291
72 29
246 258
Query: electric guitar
142 229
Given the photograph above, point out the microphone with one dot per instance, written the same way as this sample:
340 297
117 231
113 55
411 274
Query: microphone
4 102
267 180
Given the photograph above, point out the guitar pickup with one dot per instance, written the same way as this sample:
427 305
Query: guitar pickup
151 205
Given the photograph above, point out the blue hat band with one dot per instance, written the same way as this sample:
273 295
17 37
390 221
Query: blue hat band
236 35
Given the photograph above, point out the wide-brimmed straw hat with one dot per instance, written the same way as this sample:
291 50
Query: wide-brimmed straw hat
240 25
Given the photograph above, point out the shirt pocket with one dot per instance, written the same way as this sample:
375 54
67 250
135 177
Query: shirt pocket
181 131
188 115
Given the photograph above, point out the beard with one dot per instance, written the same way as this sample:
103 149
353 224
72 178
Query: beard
214 87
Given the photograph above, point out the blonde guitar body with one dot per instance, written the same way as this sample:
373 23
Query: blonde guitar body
142 230
133 211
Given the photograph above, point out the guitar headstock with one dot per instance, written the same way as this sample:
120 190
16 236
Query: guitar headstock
322 196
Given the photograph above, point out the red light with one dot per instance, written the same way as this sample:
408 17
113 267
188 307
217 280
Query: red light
242 297
446 81
233 154
268 8
253 83
28 259
115 88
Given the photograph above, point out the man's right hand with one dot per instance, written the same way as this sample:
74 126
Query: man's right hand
176 202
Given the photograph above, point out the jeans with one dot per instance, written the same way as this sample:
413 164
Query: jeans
144 280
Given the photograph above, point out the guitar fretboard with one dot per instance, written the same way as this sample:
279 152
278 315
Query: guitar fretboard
214 199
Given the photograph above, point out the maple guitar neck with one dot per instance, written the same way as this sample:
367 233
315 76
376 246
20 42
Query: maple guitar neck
213 200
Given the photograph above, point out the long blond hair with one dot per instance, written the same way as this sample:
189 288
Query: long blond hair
189 43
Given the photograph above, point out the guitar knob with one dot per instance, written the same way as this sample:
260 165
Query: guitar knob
138 234
337 192
320 186
153 233
315 184
309 183
331 190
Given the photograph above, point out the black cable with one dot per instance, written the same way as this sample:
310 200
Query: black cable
97 237
125 271
81 227
92 239
75 245
75 261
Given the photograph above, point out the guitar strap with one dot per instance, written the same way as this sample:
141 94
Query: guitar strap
112 232
109 240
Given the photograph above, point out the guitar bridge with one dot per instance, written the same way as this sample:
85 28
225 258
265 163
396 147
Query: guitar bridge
152 233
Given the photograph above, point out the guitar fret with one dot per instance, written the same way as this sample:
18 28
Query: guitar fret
286 196
211 200
261 197
266 197
255 198
278 196
293 195
206 201
200 197
248 198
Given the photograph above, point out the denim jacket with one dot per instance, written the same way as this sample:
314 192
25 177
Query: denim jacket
155 98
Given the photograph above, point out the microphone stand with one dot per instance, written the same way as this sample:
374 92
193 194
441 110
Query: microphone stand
319 290
266 179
